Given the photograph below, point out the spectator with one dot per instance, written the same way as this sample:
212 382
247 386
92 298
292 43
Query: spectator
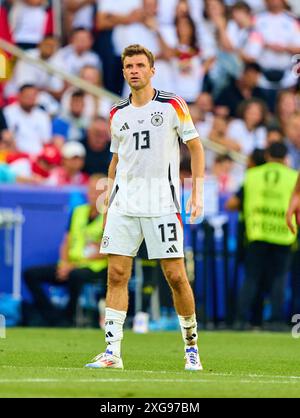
218 134
7 145
221 64
79 13
222 170
244 88
37 167
97 146
286 106
249 132
273 43
80 261
93 106
203 114
49 158
269 251
214 12
31 21
186 62
25 73
274 134
71 126
169 10
256 158
235 36
115 23
293 140
29 124
70 173
148 30
77 54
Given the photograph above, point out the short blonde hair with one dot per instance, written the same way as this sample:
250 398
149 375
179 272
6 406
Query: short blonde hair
137 49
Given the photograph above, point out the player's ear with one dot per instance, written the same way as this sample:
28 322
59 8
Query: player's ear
123 73
153 71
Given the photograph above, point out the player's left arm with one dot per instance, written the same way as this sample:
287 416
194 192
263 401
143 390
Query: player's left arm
195 203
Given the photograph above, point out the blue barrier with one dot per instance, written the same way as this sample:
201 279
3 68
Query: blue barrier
46 212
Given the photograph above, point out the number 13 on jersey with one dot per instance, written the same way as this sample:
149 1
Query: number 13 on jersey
142 140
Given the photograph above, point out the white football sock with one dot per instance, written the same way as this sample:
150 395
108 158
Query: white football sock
188 326
114 321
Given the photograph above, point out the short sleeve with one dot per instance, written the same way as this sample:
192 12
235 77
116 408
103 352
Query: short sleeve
183 121
114 146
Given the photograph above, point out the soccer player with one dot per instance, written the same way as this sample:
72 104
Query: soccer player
143 201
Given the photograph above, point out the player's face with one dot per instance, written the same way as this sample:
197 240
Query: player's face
137 71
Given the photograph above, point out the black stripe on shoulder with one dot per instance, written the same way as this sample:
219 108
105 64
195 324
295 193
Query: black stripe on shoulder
164 96
122 104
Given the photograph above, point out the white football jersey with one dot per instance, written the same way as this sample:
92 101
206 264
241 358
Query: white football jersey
147 141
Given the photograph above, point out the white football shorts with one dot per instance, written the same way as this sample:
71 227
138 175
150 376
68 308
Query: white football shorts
163 235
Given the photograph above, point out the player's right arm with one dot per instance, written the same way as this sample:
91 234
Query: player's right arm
294 208
111 177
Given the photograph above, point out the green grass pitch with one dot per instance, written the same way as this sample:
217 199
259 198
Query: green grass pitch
49 363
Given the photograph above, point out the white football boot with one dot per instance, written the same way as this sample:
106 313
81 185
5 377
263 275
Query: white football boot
192 359
106 361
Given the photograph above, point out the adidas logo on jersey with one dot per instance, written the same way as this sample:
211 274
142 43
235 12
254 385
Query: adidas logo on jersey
125 127
172 249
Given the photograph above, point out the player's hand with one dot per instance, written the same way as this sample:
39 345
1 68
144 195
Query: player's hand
294 209
194 206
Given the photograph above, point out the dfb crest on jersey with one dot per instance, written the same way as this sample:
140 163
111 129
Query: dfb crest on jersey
105 242
157 119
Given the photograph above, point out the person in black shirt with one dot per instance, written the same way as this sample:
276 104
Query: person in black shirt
239 90
97 145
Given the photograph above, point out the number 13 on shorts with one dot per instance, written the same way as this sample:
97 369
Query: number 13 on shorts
169 236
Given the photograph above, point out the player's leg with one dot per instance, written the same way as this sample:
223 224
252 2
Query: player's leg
164 240
175 273
119 273
184 302
121 240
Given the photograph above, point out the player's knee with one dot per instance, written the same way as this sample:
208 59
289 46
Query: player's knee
117 276
175 279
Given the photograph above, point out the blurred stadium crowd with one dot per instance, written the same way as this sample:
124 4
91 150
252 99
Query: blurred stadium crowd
232 61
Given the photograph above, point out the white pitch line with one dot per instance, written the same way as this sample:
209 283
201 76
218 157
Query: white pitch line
203 373
37 380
